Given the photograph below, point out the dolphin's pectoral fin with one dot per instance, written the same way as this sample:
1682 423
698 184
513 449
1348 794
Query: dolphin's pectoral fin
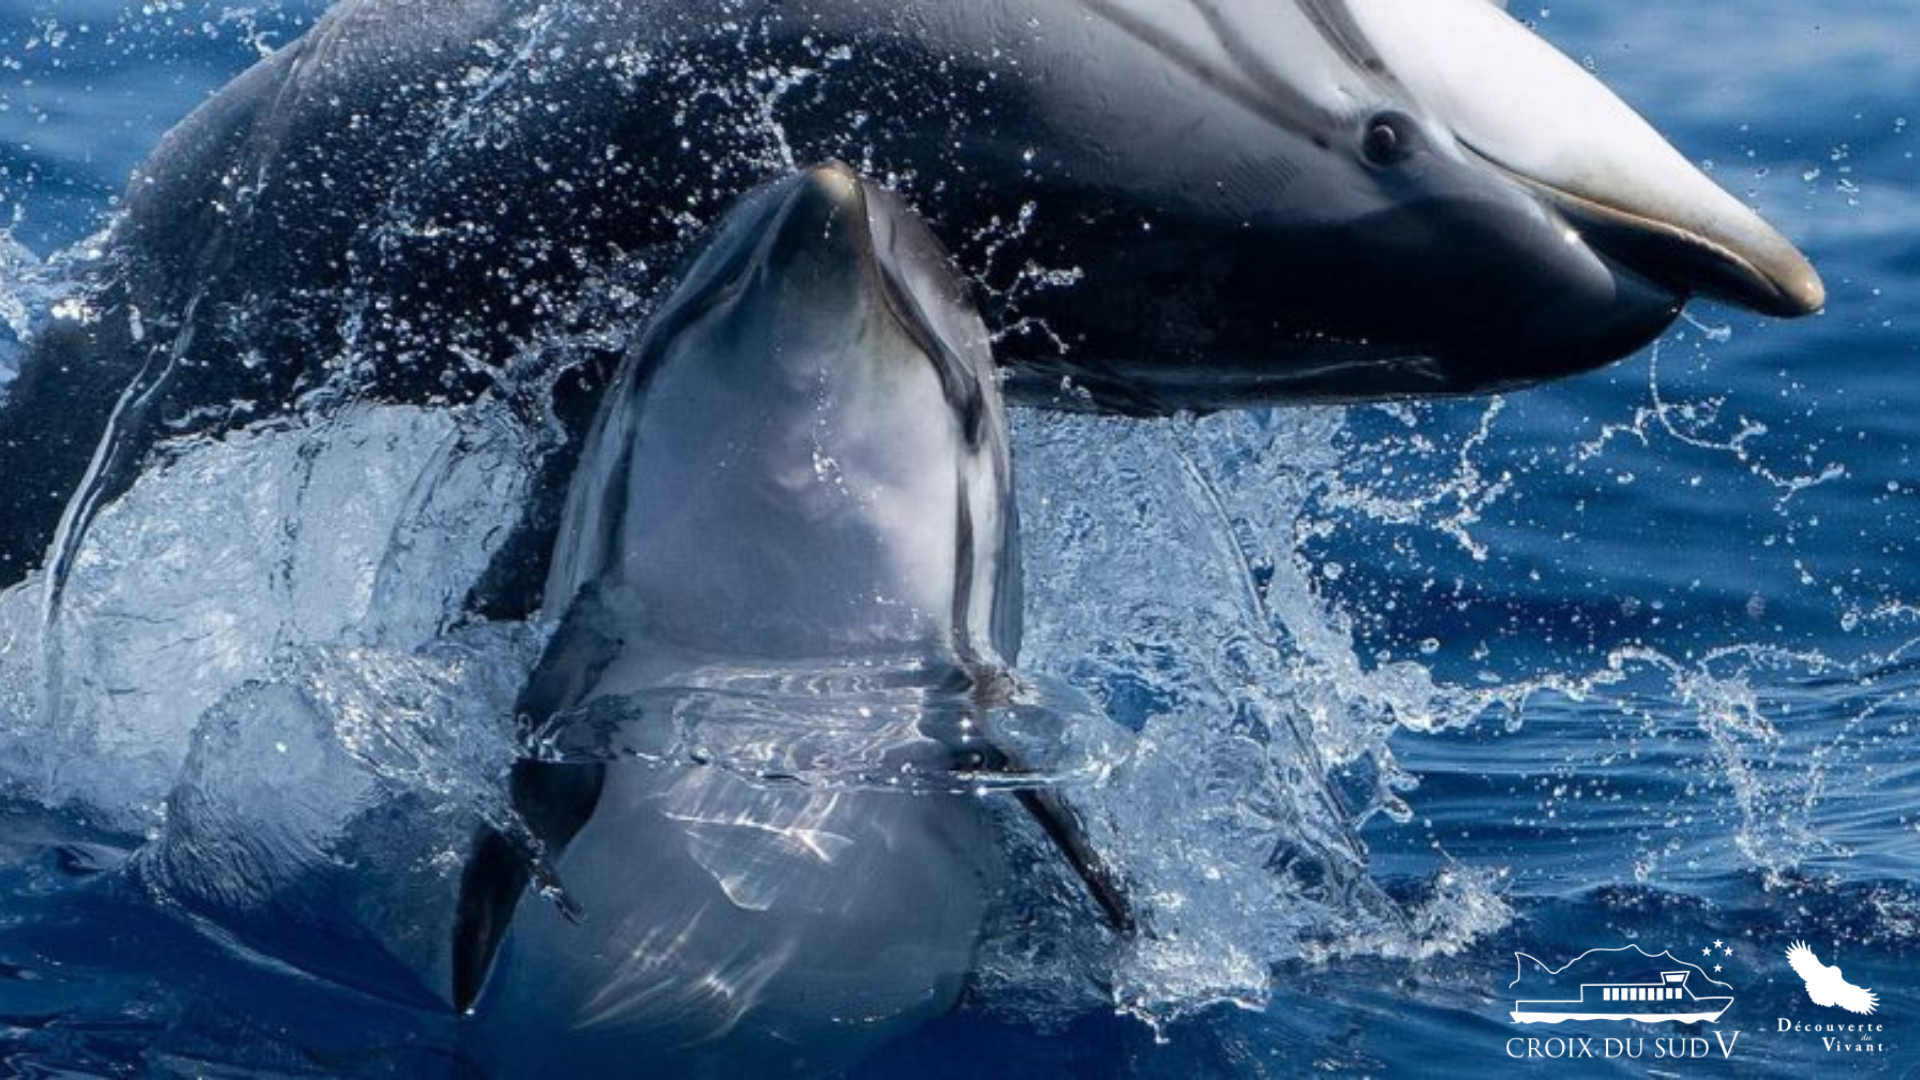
973 747
489 892
552 799
575 658
1063 826
555 802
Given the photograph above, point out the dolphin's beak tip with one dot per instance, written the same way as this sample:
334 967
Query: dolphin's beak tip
1788 288
1805 294
833 181
827 199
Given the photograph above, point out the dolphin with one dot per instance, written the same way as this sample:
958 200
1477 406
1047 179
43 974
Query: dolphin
1166 204
801 467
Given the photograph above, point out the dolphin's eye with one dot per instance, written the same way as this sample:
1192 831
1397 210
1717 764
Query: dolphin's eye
1389 139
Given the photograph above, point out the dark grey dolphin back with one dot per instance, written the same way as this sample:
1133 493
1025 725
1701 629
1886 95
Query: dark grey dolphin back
1180 205
248 236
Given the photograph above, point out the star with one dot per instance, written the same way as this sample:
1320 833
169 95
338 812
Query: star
1728 951
1716 967
1706 952
1716 944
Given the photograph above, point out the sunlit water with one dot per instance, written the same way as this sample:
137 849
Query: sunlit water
1362 701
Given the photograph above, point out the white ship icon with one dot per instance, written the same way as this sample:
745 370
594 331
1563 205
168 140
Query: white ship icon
1658 1002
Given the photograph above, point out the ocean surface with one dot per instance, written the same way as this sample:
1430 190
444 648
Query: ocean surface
1631 660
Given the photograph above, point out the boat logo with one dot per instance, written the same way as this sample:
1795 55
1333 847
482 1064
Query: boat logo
1825 985
1622 984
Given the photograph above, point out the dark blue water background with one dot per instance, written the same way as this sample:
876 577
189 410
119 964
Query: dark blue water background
1668 619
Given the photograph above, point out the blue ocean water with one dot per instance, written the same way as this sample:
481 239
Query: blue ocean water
1632 659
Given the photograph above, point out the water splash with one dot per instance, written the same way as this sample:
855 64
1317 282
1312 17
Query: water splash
880 722
1175 573
32 290
360 529
1701 425
323 815
1165 580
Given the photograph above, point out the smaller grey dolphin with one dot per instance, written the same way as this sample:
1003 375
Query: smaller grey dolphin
804 461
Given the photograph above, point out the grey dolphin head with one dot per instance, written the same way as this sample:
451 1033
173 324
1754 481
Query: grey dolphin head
805 460
1351 199
807 452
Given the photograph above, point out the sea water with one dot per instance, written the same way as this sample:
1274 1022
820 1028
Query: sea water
1406 690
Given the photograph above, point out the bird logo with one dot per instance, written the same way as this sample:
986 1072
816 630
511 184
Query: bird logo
1824 984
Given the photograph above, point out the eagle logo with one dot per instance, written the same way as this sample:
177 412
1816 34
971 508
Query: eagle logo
1824 984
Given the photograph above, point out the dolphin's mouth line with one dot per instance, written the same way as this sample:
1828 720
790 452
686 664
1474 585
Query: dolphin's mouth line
1699 264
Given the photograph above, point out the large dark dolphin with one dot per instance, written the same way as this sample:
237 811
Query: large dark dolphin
1172 204
802 469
